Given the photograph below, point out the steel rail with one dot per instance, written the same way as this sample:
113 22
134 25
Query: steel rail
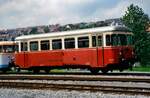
83 73
76 78
79 87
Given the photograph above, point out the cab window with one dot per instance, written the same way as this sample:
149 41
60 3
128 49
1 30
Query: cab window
114 39
122 39
130 39
118 40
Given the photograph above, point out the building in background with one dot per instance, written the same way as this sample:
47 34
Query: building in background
11 34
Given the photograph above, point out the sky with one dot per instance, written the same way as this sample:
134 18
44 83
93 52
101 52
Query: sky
25 13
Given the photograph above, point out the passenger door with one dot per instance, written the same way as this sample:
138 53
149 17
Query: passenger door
24 49
100 50
97 43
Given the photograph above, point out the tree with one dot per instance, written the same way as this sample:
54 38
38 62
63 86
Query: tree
46 29
34 30
138 22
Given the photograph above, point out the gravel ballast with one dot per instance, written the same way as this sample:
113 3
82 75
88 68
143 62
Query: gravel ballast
104 83
25 93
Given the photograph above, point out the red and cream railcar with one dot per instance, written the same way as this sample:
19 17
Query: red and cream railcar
101 48
7 50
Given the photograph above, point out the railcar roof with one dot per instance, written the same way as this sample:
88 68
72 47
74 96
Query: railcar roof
73 32
7 43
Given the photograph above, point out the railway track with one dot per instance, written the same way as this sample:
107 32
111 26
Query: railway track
36 82
77 78
126 73
112 89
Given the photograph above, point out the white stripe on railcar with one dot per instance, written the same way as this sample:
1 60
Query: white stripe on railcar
73 32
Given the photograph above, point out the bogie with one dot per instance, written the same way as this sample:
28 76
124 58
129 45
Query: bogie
94 70
47 71
104 70
36 71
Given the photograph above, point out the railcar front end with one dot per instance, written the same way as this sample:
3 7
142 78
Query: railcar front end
118 51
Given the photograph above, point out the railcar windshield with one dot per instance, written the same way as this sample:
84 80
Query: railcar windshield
7 48
119 39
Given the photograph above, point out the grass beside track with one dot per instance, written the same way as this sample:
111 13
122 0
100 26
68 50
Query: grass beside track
138 69
142 68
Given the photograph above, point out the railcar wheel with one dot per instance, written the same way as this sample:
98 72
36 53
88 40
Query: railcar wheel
36 71
104 71
15 69
4 71
121 70
94 71
47 71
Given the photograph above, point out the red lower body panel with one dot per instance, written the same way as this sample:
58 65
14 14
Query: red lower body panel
70 57
86 57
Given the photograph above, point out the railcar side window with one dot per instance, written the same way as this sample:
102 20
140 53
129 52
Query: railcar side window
24 46
34 46
8 48
94 41
99 40
108 40
114 39
45 45
83 42
69 43
16 48
57 44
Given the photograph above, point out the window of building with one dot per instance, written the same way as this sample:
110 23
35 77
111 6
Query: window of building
69 43
34 46
56 44
83 42
45 45
24 46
